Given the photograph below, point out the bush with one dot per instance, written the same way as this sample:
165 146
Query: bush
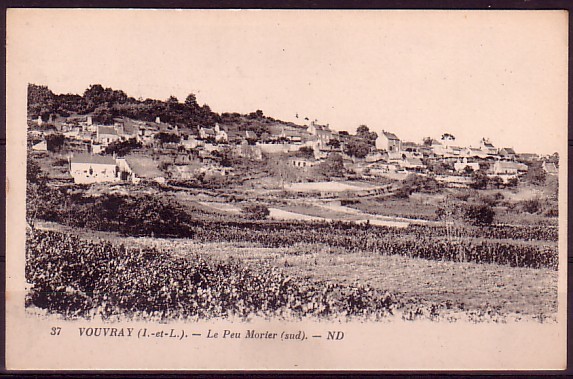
479 214
480 180
256 211
417 183
531 205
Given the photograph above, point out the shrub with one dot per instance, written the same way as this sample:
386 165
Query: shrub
256 211
479 214
530 205
480 180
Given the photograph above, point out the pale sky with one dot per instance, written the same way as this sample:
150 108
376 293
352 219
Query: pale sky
496 74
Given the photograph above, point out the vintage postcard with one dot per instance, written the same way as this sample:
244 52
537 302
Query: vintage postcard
286 190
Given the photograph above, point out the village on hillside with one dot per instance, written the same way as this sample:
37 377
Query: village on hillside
342 223
160 151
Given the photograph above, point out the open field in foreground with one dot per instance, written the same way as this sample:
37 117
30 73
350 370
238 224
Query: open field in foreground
361 284
467 285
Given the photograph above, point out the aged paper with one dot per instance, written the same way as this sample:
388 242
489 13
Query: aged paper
298 240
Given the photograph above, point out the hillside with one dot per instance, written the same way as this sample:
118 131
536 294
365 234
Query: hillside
106 104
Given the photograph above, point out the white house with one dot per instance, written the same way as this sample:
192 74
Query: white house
86 169
206 133
487 147
106 135
220 134
388 141
508 168
322 134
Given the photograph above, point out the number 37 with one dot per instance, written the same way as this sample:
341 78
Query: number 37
55 331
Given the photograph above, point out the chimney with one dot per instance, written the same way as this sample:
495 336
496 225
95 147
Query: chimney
157 120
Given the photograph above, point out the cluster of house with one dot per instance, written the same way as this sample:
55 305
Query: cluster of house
389 155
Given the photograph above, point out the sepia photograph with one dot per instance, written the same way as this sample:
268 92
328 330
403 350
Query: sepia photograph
392 170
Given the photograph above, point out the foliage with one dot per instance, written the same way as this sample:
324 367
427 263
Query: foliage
421 242
122 148
333 143
78 278
480 180
55 141
167 137
479 214
41 101
332 166
305 152
256 211
105 104
364 132
417 183
448 136
536 174
357 147
137 215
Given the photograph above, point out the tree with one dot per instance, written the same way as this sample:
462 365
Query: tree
496 182
357 147
480 180
417 183
305 152
191 101
167 137
536 174
122 148
278 165
427 141
448 137
333 143
55 141
364 132
484 166
468 170
103 114
41 101
332 166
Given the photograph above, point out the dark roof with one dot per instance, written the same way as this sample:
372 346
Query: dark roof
93 159
144 167
508 165
508 150
106 130
391 136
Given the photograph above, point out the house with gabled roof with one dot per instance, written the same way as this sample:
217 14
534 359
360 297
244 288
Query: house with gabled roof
550 168
140 167
487 147
388 141
322 134
207 133
106 135
508 168
86 168
507 153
